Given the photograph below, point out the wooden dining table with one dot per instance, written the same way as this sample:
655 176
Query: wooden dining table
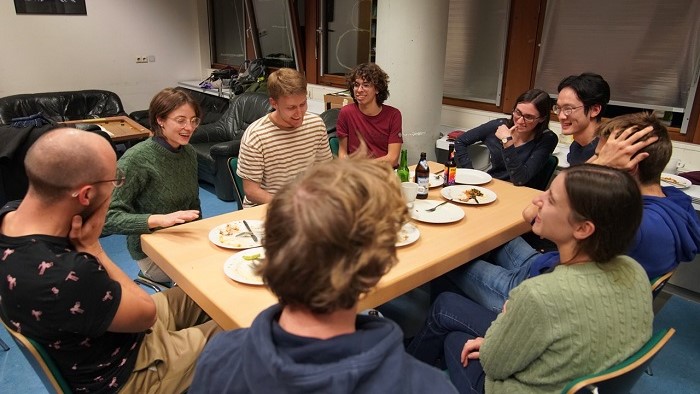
187 255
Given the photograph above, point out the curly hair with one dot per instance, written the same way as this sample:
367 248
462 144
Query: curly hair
330 235
370 72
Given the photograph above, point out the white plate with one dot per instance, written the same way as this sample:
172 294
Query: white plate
435 180
674 180
408 234
230 238
241 270
447 213
457 194
468 176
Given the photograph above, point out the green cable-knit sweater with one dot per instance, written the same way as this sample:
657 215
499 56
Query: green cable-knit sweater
576 320
158 181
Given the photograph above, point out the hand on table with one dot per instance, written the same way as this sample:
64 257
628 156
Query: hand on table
171 219
471 350
619 150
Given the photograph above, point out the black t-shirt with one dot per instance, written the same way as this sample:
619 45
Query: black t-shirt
65 300
580 154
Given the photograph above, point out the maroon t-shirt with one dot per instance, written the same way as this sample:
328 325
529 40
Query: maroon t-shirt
378 131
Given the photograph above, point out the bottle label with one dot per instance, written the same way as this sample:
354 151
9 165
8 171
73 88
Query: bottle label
423 185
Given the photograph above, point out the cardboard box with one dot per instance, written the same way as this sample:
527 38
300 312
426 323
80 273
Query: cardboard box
336 100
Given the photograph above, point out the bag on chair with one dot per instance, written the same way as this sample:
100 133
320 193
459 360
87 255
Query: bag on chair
255 69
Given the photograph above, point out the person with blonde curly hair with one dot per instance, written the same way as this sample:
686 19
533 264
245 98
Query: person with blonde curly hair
329 238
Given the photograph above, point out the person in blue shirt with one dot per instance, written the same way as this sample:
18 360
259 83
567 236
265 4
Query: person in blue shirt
519 147
329 238
580 105
669 232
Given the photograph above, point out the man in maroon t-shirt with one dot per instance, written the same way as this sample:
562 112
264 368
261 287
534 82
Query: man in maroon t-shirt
368 118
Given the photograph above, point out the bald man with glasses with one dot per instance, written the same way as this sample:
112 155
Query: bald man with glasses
60 288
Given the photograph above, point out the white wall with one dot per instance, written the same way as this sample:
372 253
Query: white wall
45 53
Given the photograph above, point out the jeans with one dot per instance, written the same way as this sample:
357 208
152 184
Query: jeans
489 282
453 320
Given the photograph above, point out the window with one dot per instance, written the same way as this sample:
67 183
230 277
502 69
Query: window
651 55
276 36
476 43
227 30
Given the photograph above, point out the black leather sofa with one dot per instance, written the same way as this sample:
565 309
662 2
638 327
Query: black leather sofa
211 107
62 106
216 142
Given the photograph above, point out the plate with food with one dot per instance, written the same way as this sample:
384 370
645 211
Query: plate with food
235 235
468 176
435 180
467 194
447 213
408 234
675 181
241 266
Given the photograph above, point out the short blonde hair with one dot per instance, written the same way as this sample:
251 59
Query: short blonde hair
330 235
286 82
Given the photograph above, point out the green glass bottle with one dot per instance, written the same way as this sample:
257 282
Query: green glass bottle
403 172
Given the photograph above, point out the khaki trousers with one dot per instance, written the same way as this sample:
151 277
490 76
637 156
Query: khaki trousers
166 359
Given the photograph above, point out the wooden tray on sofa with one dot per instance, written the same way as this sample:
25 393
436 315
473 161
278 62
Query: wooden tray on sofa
120 128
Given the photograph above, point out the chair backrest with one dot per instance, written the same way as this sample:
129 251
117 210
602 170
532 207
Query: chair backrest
237 181
42 363
658 283
541 180
622 376
330 118
480 156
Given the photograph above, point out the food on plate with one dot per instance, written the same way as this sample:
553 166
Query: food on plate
229 229
403 235
470 194
255 256
672 181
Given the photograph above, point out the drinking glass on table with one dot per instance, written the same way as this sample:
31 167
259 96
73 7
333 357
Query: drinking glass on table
409 190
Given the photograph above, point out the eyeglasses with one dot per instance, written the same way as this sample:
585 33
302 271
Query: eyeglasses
527 118
118 181
364 85
182 121
565 110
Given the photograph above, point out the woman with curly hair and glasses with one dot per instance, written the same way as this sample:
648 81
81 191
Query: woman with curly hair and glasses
369 119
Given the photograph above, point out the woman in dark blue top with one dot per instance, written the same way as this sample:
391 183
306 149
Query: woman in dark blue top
519 147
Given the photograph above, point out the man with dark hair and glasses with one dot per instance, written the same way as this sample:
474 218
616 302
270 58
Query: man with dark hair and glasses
580 104
60 289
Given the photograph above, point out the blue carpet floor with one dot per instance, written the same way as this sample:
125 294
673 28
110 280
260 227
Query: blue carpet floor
675 368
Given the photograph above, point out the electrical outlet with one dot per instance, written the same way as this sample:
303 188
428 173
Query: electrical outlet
309 94
151 58
143 59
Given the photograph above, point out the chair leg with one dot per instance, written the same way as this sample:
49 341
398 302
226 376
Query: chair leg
4 346
149 284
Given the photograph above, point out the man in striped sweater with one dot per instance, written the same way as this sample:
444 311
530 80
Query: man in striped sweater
283 143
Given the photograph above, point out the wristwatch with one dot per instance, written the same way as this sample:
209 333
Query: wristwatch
505 140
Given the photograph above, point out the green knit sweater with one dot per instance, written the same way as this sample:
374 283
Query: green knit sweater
576 320
158 181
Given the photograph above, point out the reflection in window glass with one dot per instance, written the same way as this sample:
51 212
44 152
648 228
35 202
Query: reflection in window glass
348 34
228 35
274 32
476 41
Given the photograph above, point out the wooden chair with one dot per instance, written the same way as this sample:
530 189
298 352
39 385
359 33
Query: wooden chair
658 283
622 376
42 363
237 181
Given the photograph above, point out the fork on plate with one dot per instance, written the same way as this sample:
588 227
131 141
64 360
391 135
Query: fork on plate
437 206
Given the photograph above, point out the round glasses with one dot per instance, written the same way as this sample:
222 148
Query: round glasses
527 118
564 110
182 121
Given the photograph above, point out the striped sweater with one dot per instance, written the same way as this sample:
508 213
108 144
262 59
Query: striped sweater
272 156
576 320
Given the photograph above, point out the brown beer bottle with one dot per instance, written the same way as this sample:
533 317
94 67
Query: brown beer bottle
422 177
448 177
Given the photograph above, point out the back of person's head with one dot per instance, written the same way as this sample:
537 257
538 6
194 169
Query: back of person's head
541 100
64 159
165 102
590 88
611 200
330 235
650 169
370 72
286 82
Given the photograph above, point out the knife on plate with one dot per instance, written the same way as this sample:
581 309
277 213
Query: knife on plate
252 234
